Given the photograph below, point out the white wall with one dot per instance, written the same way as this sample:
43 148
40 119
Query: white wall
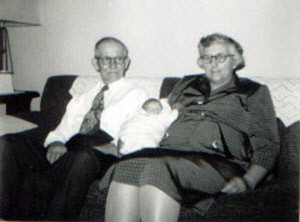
162 36
20 11
63 44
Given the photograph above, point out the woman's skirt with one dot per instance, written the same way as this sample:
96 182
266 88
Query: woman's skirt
187 177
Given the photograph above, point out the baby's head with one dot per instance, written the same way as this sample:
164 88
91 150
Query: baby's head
152 106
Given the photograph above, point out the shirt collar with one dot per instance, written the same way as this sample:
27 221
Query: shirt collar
116 84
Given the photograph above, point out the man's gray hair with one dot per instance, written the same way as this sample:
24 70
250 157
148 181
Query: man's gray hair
111 39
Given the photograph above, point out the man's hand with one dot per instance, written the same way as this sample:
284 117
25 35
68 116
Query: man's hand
235 185
108 148
55 151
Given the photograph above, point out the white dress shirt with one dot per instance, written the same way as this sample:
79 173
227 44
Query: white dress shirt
121 101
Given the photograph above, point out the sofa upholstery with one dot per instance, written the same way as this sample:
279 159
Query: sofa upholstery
54 100
276 200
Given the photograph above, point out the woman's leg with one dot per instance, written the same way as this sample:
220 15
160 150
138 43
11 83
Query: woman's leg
122 203
157 206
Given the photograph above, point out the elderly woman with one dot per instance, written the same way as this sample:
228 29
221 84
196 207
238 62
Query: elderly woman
224 141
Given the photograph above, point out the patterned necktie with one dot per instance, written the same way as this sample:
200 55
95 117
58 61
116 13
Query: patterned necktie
91 120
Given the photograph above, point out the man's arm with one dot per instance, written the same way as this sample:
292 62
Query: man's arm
68 126
55 141
71 121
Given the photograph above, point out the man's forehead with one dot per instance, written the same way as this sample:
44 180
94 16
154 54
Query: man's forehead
110 47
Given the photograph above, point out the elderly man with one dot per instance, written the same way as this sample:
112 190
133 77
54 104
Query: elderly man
92 120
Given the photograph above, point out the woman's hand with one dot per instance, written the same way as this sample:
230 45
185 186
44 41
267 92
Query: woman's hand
235 185
249 181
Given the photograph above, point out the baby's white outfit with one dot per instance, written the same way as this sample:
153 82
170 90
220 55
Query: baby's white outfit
145 130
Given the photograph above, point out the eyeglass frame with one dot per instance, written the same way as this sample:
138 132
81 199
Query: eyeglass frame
108 60
217 57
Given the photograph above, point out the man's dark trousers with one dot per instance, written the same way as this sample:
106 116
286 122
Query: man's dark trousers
31 188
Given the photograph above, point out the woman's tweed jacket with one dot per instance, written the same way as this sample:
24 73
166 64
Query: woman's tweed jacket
237 120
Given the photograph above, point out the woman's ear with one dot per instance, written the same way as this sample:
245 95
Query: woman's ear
200 62
238 62
95 64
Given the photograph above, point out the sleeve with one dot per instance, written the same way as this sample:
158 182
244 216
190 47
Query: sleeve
134 101
168 117
165 105
67 126
266 144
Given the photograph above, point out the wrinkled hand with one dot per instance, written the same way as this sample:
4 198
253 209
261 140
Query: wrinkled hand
55 151
108 148
235 185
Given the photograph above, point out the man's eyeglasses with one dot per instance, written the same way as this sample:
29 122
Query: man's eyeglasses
110 60
219 58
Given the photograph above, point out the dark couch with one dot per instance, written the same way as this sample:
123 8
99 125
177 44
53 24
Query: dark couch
276 200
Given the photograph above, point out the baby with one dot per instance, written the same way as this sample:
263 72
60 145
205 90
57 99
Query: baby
147 127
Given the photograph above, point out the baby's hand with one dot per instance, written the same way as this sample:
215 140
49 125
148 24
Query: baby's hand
235 185
177 106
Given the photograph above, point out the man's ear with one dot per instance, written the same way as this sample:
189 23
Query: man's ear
127 63
95 64
200 62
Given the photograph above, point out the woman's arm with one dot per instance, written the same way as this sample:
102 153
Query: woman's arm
265 146
249 181
254 175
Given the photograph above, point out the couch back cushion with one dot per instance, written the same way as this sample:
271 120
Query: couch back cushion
54 100
151 85
167 86
285 92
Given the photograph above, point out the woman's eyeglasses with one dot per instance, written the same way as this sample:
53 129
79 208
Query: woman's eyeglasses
219 58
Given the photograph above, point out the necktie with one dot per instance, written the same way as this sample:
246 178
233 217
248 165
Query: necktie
91 120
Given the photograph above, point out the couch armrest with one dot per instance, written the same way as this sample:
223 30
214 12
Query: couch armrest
33 116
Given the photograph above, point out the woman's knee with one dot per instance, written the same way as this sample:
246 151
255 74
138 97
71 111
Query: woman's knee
115 185
154 192
156 205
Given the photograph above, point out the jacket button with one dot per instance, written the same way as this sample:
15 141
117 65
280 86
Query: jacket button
202 115
245 107
215 144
